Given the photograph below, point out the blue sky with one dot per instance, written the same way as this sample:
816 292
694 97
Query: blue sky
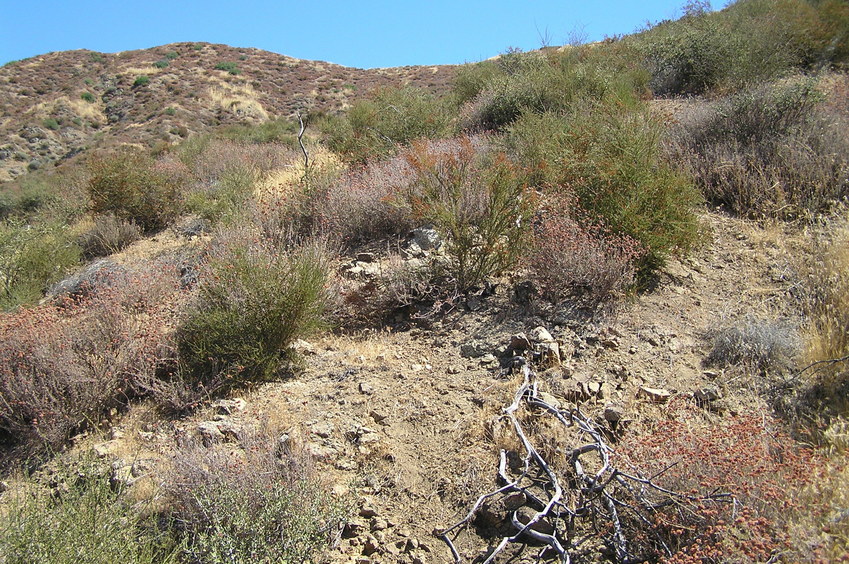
361 33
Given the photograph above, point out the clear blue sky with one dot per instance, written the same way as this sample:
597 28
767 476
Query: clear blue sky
360 33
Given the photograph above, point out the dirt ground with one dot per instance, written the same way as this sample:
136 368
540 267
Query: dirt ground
405 423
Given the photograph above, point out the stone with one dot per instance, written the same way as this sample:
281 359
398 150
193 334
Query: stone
366 388
230 406
474 349
541 335
4 486
520 342
426 238
370 545
354 527
378 524
367 509
655 395
488 358
707 394
378 416
593 388
366 257
453 369
323 430
549 353
210 433
613 413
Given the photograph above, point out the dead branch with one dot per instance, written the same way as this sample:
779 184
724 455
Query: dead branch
301 143
589 498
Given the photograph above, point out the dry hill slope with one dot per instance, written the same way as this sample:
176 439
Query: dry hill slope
56 105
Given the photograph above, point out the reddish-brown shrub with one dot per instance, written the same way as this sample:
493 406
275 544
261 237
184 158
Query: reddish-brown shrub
748 456
62 366
581 260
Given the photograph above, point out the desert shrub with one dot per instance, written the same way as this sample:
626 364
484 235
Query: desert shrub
756 344
63 366
610 160
134 187
141 80
571 257
51 123
748 42
87 97
161 64
261 502
478 202
89 521
228 66
388 118
31 258
281 130
223 199
747 456
171 55
108 235
519 83
252 303
365 204
782 153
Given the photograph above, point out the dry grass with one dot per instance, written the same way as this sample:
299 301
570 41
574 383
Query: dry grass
239 99
828 281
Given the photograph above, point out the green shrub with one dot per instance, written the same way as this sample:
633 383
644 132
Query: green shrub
225 199
252 304
161 64
261 502
51 123
611 162
32 256
497 93
387 119
141 80
280 130
746 43
169 111
89 521
482 207
171 55
135 188
87 97
229 66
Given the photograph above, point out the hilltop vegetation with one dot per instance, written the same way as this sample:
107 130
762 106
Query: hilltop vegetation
176 272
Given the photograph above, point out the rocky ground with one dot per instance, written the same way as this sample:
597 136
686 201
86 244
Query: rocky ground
406 422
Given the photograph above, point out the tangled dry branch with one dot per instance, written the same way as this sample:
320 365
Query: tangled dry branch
587 496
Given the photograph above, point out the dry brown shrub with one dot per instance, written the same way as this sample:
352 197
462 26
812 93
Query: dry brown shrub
578 259
64 365
748 456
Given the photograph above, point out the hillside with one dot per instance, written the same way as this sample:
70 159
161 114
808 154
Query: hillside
577 305
54 106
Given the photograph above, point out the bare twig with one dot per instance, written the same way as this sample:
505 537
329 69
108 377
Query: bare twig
595 496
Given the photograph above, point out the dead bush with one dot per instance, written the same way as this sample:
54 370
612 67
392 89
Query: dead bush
260 501
63 366
581 260
759 345
108 235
